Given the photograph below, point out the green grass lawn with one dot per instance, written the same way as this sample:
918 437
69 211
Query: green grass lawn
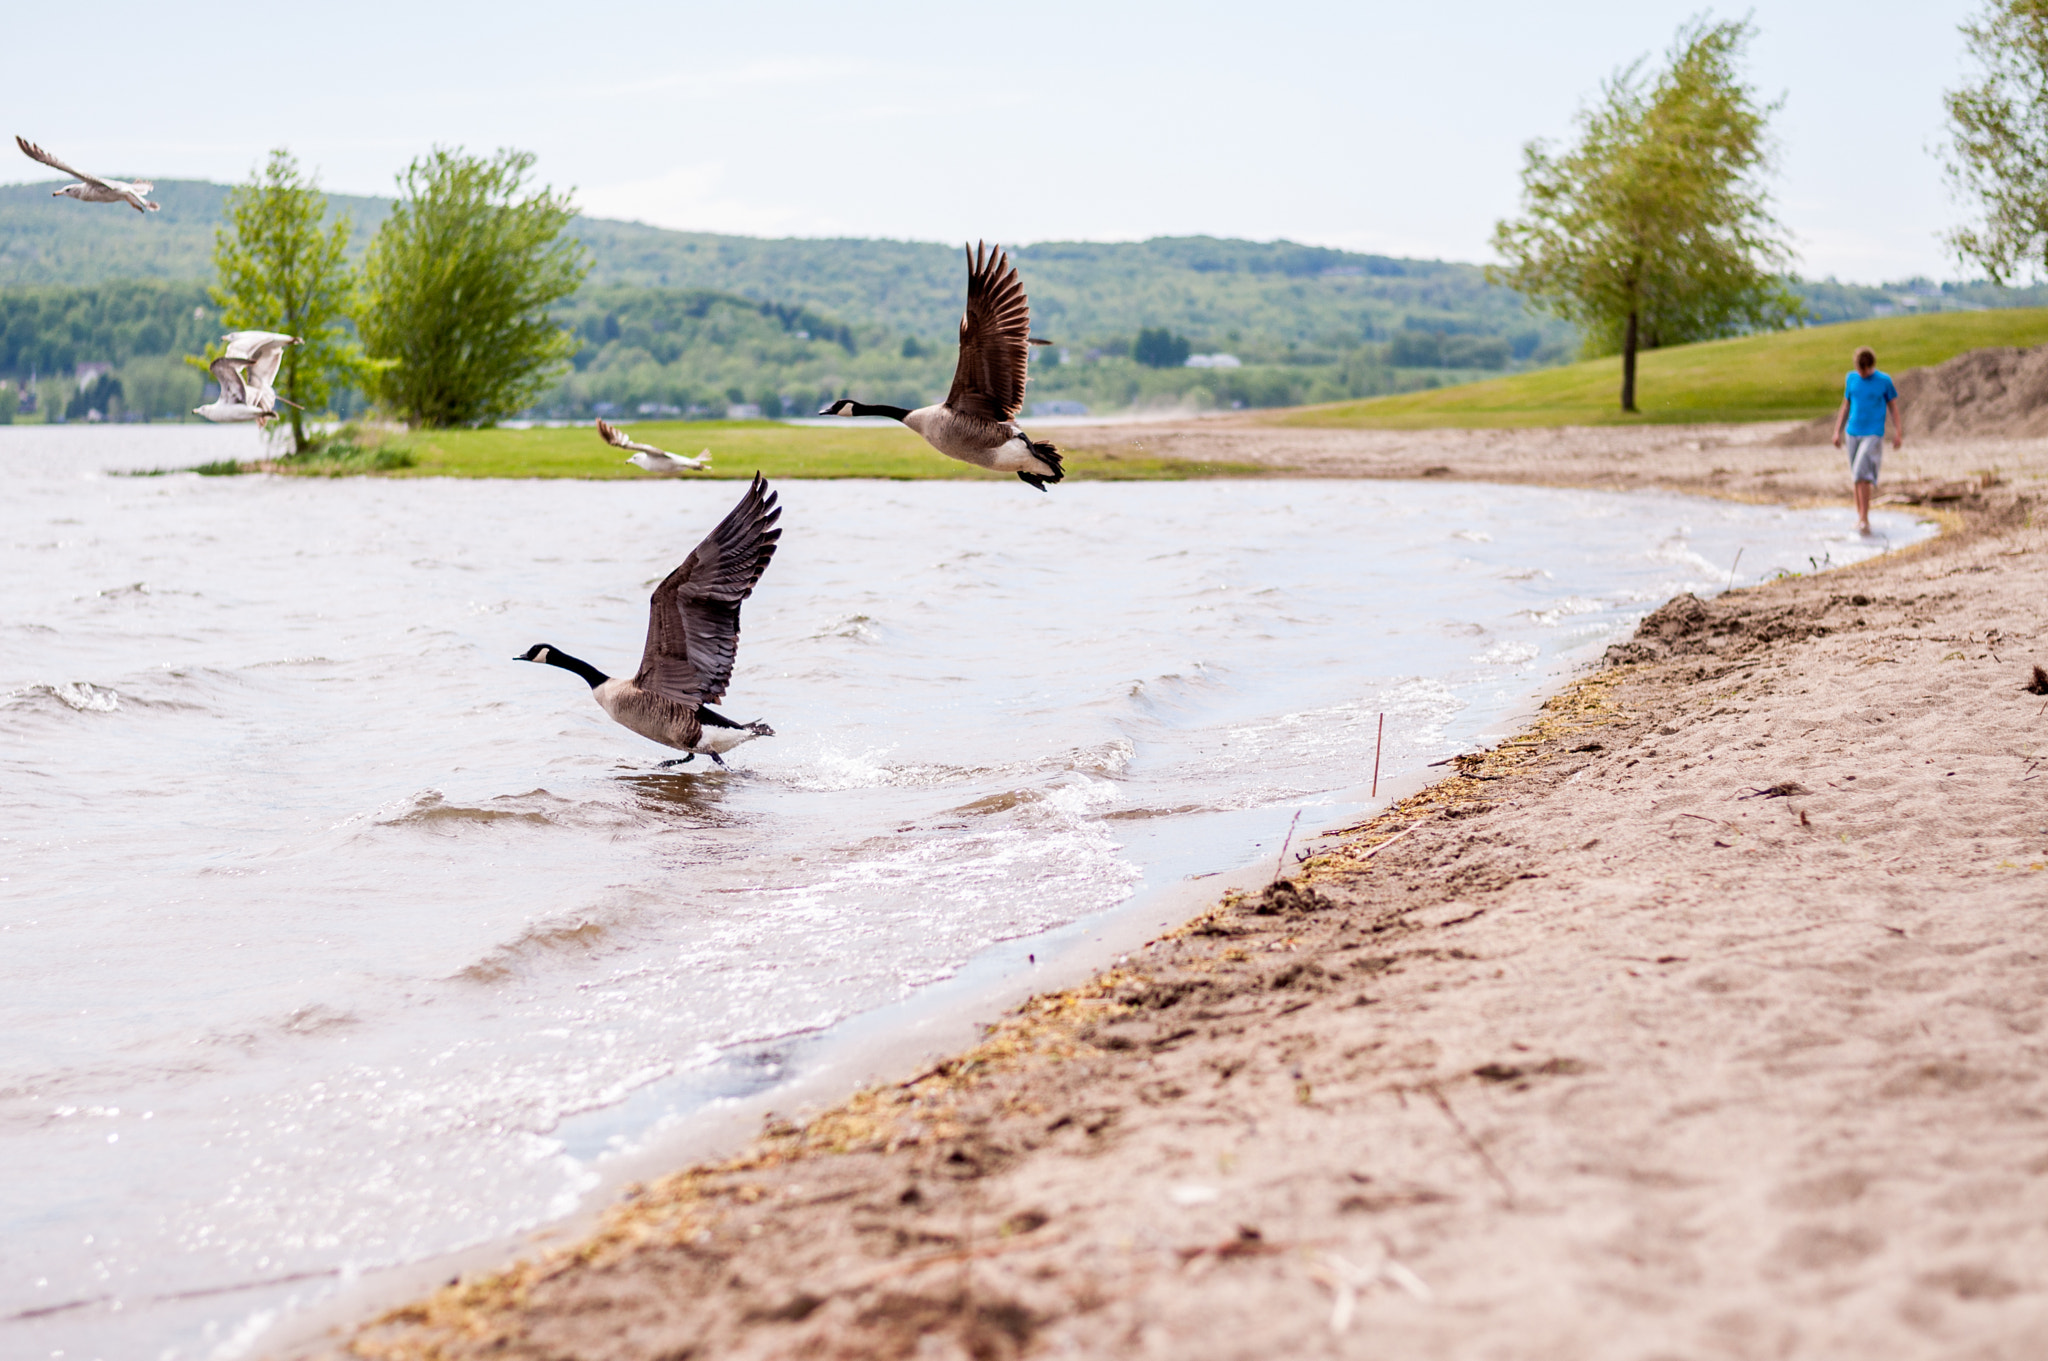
1786 375
739 448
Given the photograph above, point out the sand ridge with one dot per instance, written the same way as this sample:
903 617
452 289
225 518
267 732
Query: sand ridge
1705 1018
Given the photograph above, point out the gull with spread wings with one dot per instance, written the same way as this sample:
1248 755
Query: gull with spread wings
977 423
91 188
245 374
647 456
693 634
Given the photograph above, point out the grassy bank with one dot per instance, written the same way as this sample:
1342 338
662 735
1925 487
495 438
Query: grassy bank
738 450
1788 375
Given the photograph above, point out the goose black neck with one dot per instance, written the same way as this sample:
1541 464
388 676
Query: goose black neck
894 413
557 657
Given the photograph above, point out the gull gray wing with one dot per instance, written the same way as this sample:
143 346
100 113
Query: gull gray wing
36 153
228 373
693 617
612 435
264 364
995 340
247 345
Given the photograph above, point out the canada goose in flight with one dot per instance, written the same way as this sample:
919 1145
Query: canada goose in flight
977 421
91 188
693 632
245 374
647 456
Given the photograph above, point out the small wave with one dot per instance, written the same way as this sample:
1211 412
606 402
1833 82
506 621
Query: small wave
581 937
316 1017
1140 814
859 627
430 810
1473 535
310 660
996 803
1564 609
834 771
1508 654
78 696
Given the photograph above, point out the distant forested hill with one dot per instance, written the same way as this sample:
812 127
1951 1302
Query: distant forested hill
1264 296
695 322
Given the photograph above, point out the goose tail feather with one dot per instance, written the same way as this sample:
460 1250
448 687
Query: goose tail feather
1048 454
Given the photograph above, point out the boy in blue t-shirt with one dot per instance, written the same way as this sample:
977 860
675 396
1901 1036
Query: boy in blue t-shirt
1868 398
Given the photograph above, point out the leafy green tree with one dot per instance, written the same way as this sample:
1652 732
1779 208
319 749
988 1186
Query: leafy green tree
458 284
1159 348
1654 229
282 268
1998 130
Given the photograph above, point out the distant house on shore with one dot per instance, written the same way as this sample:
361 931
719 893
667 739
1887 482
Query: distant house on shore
1212 361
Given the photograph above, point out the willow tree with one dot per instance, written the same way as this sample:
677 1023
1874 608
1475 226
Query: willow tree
1655 229
1998 131
457 288
282 268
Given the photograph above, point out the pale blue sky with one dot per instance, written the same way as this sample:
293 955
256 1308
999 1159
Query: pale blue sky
1374 126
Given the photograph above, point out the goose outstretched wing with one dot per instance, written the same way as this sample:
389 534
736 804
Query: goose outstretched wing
693 617
995 340
36 153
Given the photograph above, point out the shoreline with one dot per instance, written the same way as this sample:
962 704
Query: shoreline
1048 1051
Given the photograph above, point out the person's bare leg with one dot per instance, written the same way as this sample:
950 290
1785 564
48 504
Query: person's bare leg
1863 490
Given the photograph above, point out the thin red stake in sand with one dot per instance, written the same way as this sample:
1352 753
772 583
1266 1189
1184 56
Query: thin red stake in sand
1376 756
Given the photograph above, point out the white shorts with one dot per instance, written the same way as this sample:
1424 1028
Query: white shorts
1866 456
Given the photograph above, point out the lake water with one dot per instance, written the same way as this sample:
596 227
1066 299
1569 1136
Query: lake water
330 937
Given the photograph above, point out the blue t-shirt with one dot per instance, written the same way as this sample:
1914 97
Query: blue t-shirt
1867 397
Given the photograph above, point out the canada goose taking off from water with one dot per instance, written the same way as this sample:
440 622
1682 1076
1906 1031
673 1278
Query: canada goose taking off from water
693 632
245 373
977 421
91 188
647 456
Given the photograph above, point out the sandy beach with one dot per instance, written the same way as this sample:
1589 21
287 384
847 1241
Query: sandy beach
1704 1018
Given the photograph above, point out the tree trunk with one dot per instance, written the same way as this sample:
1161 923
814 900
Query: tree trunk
290 376
1628 364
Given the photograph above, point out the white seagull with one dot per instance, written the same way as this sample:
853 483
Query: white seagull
91 188
245 374
647 456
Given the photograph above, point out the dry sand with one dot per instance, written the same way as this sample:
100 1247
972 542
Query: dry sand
1704 1019
1771 462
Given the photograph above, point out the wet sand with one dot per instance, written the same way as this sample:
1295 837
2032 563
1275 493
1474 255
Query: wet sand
1703 1018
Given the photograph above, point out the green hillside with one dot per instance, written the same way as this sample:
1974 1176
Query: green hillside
1789 375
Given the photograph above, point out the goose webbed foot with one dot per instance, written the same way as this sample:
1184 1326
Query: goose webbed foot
679 761
1032 479
760 729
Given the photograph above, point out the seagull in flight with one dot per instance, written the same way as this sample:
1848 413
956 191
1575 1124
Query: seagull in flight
91 188
245 373
647 456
